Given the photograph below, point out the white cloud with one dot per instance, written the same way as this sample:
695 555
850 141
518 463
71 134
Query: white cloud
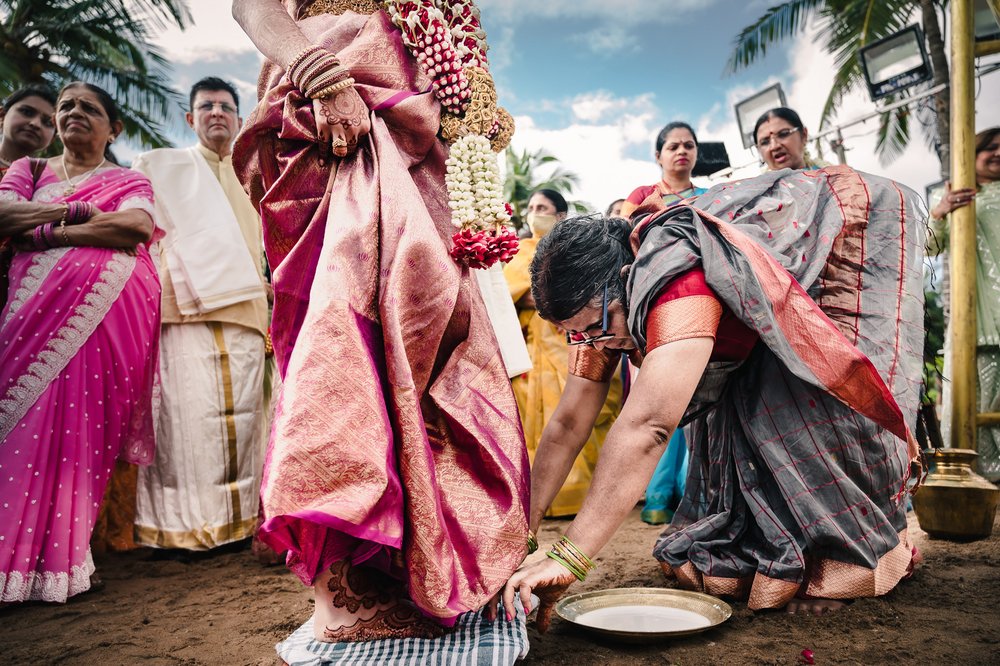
629 12
608 39
595 144
593 107
214 35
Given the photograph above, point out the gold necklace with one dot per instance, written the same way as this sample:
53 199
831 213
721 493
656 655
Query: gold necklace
71 186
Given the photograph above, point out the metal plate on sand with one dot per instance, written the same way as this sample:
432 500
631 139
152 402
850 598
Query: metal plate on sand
638 615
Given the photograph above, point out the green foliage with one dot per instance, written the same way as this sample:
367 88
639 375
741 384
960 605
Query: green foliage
846 26
934 325
104 42
521 179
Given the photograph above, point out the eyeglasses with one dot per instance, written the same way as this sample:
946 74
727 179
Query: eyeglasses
208 107
780 135
581 338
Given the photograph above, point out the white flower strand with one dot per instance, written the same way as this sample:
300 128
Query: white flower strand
473 180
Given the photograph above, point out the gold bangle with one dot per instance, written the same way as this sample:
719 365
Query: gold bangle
331 90
532 542
325 80
62 226
575 550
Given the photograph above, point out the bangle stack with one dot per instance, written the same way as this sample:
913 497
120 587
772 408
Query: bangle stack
317 73
343 84
53 234
532 542
567 554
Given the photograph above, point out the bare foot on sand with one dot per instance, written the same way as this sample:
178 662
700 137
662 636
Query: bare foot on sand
814 606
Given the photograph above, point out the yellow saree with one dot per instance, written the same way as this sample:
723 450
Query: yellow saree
538 390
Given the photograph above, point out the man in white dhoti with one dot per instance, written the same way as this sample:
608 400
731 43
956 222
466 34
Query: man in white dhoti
202 490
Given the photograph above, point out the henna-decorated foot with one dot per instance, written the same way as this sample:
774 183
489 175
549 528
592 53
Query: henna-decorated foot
361 604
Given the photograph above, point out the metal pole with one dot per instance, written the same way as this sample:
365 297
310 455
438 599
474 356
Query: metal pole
963 230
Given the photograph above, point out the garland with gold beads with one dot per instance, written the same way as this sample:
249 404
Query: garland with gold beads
448 42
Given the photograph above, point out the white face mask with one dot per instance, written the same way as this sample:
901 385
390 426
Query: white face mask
541 223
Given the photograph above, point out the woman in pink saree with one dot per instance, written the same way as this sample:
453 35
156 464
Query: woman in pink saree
397 475
78 347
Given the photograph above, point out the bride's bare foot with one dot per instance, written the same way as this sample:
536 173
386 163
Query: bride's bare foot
814 606
362 604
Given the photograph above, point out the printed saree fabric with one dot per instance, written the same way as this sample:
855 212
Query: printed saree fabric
78 352
396 440
800 455
987 321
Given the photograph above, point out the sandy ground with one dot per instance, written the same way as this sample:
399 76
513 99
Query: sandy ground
227 609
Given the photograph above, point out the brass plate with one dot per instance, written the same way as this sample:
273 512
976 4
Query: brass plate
672 613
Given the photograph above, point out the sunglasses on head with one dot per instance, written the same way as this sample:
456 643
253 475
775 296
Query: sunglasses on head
581 338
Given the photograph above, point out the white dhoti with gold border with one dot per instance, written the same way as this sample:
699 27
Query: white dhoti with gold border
203 488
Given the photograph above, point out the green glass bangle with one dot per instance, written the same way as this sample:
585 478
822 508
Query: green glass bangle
532 542
579 553
580 575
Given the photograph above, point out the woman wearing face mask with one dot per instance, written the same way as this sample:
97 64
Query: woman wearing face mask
538 390
676 153
781 140
28 118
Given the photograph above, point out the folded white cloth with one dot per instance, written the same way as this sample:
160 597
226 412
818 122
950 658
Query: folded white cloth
503 316
207 256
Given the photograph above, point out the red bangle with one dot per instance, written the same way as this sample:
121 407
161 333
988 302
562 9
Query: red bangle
79 212
38 238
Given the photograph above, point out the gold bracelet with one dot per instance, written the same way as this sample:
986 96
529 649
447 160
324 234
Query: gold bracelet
62 225
332 90
325 79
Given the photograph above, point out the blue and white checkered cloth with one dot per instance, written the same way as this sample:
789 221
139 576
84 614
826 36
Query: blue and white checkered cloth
472 642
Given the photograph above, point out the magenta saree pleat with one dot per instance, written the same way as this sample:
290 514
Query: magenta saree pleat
78 351
397 440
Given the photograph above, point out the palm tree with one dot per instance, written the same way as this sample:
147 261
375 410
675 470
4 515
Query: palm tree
520 180
104 42
848 26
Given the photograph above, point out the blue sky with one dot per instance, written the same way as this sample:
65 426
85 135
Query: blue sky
592 81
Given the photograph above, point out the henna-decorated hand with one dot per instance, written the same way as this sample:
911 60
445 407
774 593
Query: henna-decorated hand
547 579
341 121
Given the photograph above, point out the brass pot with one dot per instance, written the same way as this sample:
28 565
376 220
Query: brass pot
955 502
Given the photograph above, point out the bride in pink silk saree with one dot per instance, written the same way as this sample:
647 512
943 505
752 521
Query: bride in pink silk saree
78 349
396 448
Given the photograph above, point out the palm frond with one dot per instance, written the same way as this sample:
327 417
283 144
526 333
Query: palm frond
104 42
849 26
893 135
777 23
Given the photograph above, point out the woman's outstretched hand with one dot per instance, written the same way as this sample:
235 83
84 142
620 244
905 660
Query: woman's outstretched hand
547 579
342 119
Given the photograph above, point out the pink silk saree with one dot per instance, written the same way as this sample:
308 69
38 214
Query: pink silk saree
78 351
396 441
